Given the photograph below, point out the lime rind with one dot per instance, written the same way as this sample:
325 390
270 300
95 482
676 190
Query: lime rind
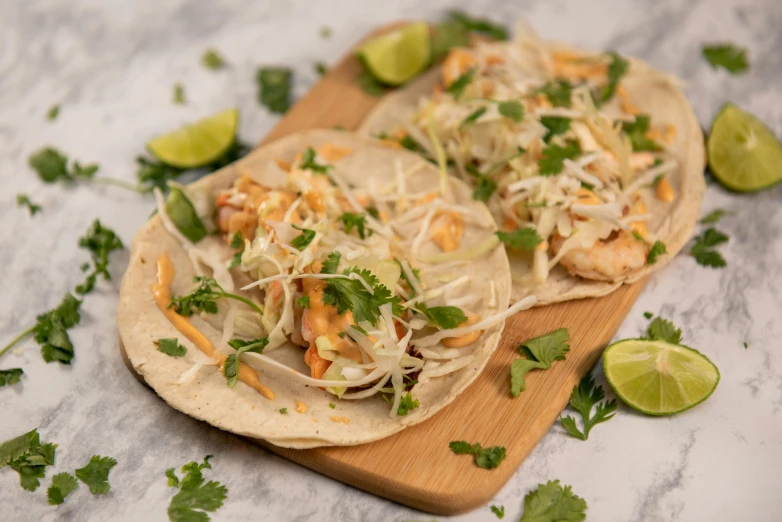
631 368
397 56
199 143
744 154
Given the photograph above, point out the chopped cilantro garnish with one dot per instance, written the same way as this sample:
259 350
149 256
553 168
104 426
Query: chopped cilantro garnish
552 159
553 503
474 115
255 345
486 187
728 56
512 110
703 248
648 315
237 242
350 294
63 484
540 352
443 317
308 162
331 263
357 221
584 397
29 457
231 364
320 68
636 131
195 497
481 26
712 217
22 200
637 235
283 411
274 88
526 238
100 241
203 298
658 249
171 346
499 511
10 376
457 87
53 112
211 59
332 405
303 301
96 474
370 85
555 125
617 68
558 92
52 166
407 404
486 458
179 94
301 241
663 330
447 35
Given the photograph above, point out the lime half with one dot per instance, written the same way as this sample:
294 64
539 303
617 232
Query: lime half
659 378
395 57
744 154
197 144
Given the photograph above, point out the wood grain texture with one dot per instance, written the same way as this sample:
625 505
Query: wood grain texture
416 466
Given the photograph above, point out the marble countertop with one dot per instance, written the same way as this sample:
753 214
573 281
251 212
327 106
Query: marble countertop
112 65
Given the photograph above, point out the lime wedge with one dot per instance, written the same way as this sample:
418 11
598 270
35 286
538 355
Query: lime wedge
659 378
395 57
744 154
197 144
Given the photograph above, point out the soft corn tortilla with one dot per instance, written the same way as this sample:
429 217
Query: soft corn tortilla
654 93
193 385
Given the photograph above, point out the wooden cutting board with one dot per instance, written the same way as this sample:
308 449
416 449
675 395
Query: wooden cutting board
416 467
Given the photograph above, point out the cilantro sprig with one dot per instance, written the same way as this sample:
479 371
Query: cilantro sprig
100 241
10 376
53 166
526 238
237 242
29 457
663 330
23 200
231 364
728 56
96 474
442 317
212 60
499 511
351 294
274 88
486 458
583 399
703 249
551 502
303 240
617 68
195 497
552 158
657 249
636 131
171 347
457 87
407 404
556 125
558 92
203 298
308 162
540 353
350 221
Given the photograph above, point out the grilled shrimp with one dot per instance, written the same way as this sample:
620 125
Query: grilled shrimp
606 260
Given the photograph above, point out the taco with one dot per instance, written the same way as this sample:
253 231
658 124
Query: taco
591 163
292 296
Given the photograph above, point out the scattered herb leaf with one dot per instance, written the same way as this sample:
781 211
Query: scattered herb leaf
457 87
171 346
212 60
96 474
474 115
274 88
63 484
553 503
482 26
407 404
350 294
552 159
320 68
526 238
540 352
100 241
301 241
443 317
556 125
53 112
712 217
10 376
728 56
703 248
179 94
303 301
658 249
195 498
370 85
558 92
512 110
308 162
499 511
663 330
22 200
357 221
584 397
203 298
486 458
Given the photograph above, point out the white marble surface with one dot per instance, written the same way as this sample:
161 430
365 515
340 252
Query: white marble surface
111 66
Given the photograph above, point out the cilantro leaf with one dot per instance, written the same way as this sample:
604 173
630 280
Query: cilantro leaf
713 217
512 110
283 411
23 200
555 125
447 35
332 405
27 456
553 503
486 458
350 294
648 315
331 263
173 480
526 238
558 92
237 242
370 85
152 174
100 241
171 347
728 56
195 497
658 249
51 330
50 164
457 87
443 317
53 112
357 221
308 162
96 474
617 68
325 32
212 60
540 352
702 249
182 213
636 131
203 298
474 115
552 159
407 404
10 376
63 484
231 365
303 301
18 447
255 345
486 187
302 240
499 511
179 94
479 25
584 397
320 68
663 330
274 88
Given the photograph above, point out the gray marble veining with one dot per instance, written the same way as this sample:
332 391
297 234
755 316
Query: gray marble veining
111 65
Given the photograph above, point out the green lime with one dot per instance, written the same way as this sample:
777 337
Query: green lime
396 56
197 144
659 378
744 154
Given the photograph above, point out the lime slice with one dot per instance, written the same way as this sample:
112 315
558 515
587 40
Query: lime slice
743 153
197 144
659 378
397 56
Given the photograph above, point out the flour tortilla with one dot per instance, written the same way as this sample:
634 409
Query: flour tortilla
193 385
654 93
